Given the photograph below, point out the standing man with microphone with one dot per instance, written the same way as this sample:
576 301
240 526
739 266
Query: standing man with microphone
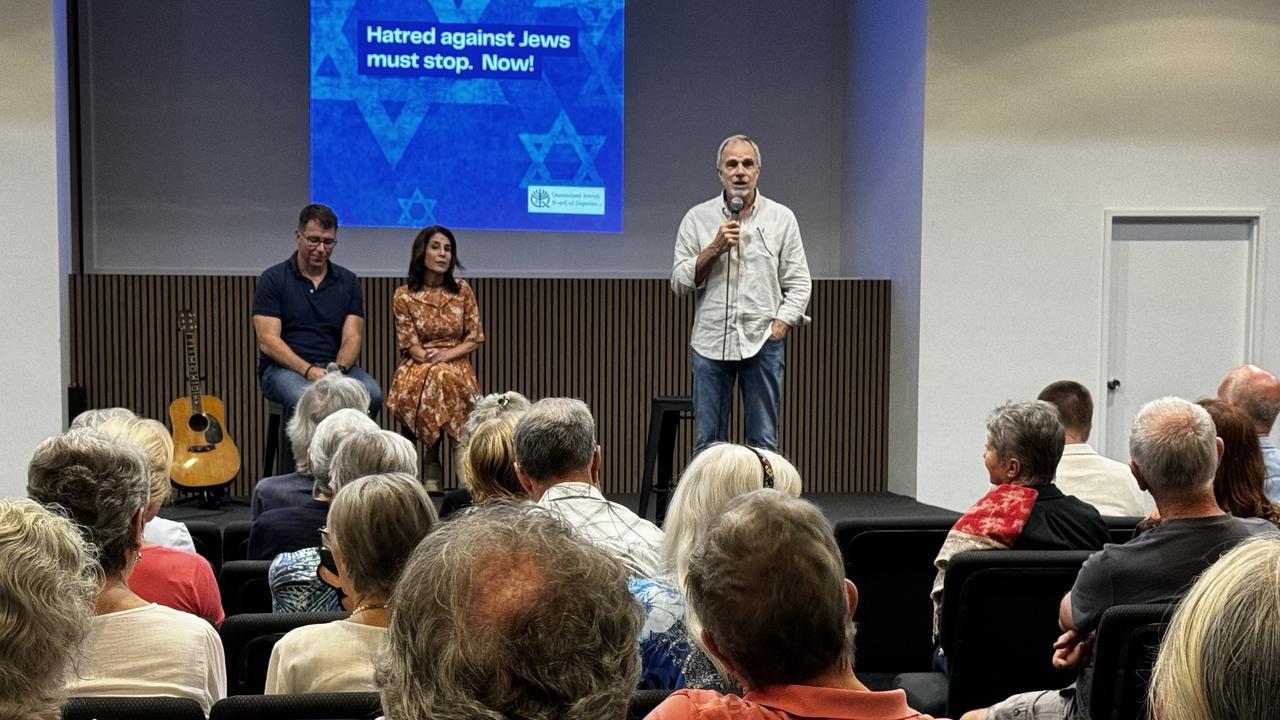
741 253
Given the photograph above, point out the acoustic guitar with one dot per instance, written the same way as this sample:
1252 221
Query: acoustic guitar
204 455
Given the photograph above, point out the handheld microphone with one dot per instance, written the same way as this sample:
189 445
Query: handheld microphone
735 206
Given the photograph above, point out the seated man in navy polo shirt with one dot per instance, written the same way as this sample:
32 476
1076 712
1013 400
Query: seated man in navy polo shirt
309 312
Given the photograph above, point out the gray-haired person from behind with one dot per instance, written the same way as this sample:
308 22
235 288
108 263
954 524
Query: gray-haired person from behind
47 589
103 487
768 581
327 395
505 612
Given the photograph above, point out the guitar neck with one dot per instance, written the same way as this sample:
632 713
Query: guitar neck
193 372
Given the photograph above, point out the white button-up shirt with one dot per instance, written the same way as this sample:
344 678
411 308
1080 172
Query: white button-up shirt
765 277
608 525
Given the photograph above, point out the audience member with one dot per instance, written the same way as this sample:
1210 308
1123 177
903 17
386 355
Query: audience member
374 524
558 463
490 461
293 527
506 612
370 452
496 458
767 580
330 393
1105 484
47 589
1218 656
669 641
103 486
165 574
1024 510
1175 450
93 419
1258 392
1239 485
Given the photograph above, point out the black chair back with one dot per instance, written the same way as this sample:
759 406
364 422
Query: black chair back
999 623
235 540
1121 528
208 541
1124 652
247 641
644 701
244 587
891 562
131 708
313 706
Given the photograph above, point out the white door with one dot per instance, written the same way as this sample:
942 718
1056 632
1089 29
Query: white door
1177 312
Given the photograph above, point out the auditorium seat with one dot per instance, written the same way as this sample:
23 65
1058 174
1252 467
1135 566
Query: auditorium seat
207 538
313 706
244 588
1121 528
644 701
1128 639
999 623
235 540
247 640
131 708
891 562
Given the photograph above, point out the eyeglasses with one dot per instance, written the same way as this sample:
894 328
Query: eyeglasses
316 241
324 535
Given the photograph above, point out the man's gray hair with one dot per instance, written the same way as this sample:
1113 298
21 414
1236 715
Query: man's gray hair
370 452
330 393
93 419
329 434
1174 444
506 612
767 580
555 437
725 143
102 485
376 521
47 587
1032 432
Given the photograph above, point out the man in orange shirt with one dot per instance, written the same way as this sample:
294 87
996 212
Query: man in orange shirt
768 583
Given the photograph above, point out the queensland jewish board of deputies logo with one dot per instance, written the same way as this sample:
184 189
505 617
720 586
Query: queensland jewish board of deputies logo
539 198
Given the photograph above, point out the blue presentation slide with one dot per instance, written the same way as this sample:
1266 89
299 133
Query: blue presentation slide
473 114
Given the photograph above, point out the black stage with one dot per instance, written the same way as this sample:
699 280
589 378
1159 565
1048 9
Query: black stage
836 506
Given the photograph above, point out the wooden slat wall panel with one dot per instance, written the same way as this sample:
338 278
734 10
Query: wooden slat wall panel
614 343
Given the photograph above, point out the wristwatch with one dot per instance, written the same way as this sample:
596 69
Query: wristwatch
346 369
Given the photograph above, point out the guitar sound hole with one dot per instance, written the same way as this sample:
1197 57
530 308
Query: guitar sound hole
197 423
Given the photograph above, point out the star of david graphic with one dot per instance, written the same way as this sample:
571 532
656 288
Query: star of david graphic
595 14
466 11
428 205
562 132
599 90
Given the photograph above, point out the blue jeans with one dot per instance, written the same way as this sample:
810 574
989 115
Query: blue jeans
759 379
285 387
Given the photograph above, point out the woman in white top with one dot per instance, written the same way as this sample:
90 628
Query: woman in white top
374 524
134 648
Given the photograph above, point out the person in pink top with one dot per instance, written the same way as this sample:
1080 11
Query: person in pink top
768 582
177 579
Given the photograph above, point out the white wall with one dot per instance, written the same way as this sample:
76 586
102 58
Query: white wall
1038 116
197 152
30 288
882 206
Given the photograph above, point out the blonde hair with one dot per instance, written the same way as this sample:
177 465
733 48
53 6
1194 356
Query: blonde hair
47 587
489 466
156 444
1221 655
715 476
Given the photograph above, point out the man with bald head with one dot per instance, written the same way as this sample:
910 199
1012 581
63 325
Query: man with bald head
1258 392
1175 449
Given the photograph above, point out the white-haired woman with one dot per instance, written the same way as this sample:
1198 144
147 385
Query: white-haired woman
293 576
47 588
374 524
1218 659
102 485
165 574
671 637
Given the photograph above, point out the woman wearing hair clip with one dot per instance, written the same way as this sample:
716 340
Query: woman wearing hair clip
437 328
670 641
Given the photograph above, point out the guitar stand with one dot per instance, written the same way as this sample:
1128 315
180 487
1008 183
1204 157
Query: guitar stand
210 498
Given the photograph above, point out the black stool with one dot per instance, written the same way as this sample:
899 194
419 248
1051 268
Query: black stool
278 451
665 414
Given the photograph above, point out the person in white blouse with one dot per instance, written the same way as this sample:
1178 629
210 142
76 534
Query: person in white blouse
102 486
374 524
740 253
1104 483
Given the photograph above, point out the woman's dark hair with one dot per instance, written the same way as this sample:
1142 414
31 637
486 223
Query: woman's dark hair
417 267
1239 484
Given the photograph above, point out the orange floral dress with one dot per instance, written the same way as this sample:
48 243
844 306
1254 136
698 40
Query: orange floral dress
428 398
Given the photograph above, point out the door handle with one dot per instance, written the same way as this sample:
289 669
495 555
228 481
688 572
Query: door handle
1113 384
